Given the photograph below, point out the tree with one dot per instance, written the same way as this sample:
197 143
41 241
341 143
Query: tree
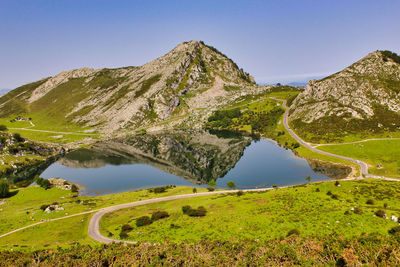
308 178
212 183
74 188
195 190
18 137
231 184
3 189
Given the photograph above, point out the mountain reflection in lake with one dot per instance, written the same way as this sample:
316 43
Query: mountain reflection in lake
181 158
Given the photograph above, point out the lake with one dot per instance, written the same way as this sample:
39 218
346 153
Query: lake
181 158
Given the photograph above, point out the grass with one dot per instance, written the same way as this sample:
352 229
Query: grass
375 152
24 207
70 132
267 215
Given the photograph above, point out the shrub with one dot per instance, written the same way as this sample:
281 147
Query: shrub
199 212
186 208
370 202
211 189
231 184
329 193
18 137
380 213
394 230
123 235
4 189
385 205
240 193
74 188
157 215
357 210
293 232
347 212
337 183
44 207
44 183
126 228
160 189
317 190
3 128
195 190
142 221
212 183
334 196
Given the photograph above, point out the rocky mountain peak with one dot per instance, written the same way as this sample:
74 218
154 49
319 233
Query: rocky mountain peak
368 91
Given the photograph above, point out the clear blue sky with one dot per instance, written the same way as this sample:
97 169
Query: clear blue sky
275 40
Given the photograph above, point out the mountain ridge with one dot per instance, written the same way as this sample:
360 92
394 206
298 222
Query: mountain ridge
132 97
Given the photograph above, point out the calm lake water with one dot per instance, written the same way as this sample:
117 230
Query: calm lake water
116 168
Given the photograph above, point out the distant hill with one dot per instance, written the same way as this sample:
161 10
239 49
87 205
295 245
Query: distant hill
365 97
186 84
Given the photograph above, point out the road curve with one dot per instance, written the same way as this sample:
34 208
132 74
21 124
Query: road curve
362 164
94 223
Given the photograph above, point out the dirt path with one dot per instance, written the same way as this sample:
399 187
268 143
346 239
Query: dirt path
44 131
356 142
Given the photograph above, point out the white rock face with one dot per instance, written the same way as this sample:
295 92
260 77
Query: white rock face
353 92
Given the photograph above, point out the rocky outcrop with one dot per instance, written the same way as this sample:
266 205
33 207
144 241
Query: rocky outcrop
368 90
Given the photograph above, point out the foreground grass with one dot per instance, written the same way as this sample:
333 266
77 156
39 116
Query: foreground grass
23 208
251 229
370 250
317 210
385 153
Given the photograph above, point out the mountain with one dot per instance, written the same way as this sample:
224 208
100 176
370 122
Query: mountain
364 97
184 84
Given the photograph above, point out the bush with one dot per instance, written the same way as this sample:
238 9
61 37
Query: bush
329 193
231 184
212 183
123 235
142 221
370 202
199 212
317 190
74 188
157 215
18 137
4 189
3 128
195 190
337 183
211 189
357 210
44 183
185 209
240 193
126 228
380 213
334 196
160 189
44 207
293 232
394 230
